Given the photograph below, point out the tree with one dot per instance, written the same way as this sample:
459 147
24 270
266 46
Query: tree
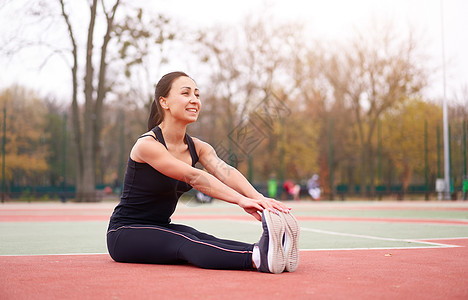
87 139
404 130
56 126
377 71
127 34
458 131
26 150
121 126
250 85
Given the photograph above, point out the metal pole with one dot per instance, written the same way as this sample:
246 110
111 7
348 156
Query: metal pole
464 147
465 177
426 166
438 152
450 159
445 114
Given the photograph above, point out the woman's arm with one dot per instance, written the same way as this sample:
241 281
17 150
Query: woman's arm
227 174
155 154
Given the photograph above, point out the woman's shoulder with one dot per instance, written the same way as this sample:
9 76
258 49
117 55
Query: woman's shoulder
200 144
149 135
202 147
147 145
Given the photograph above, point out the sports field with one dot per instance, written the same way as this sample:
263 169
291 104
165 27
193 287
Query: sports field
349 250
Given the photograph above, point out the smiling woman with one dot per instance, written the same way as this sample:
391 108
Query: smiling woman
161 168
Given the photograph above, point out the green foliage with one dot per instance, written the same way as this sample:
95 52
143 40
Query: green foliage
403 137
26 148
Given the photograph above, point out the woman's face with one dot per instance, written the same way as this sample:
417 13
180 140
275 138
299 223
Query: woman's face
183 101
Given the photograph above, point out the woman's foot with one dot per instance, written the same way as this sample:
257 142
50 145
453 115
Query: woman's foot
272 256
291 241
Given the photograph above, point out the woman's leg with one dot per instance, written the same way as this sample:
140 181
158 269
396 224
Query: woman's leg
207 237
143 244
212 252
156 244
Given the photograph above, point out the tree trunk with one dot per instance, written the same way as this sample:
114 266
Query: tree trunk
101 90
87 189
75 109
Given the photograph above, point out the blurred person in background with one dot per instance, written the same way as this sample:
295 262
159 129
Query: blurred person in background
313 187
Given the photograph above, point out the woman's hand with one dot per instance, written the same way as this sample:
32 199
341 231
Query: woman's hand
256 206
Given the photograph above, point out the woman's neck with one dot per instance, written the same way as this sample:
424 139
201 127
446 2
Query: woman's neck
173 132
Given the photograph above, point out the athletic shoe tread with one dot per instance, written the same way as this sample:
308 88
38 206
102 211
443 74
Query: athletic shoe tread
292 240
275 256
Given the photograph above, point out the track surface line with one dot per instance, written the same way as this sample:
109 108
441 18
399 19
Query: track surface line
417 241
374 237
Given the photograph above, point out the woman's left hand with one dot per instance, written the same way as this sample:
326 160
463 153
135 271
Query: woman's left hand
256 206
272 204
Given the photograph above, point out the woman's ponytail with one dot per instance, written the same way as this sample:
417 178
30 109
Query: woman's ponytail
156 114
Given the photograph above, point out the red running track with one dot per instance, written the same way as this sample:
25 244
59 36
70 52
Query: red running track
434 273
76 217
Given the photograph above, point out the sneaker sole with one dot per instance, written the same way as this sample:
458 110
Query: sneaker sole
276 256
291 250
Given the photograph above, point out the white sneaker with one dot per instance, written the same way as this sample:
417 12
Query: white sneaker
291 241
272 256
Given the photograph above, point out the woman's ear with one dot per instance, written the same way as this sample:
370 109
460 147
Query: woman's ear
163 102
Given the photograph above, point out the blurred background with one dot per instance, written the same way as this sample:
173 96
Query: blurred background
350 91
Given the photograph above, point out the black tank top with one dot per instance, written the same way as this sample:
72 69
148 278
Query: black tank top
148 196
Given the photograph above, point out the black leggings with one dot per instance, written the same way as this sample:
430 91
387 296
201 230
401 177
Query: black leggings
173 244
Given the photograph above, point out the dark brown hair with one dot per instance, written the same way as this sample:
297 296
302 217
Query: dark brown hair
162 90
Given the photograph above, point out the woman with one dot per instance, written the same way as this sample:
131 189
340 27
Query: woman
161 168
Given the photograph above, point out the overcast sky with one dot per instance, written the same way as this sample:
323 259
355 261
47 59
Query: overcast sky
331 19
